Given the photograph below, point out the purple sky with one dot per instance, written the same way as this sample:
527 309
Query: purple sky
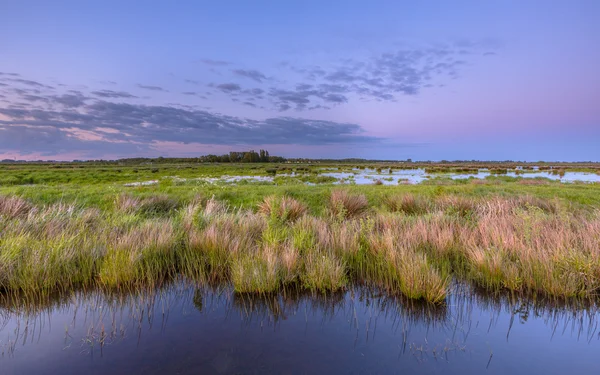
427 80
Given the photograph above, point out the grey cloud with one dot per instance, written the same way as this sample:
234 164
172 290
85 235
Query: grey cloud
228 87
215 62
191 93
252 74
113 94
34 129
29 83
192 81
383 77
303 86
9 74
152 88
254 92
34 98
49 141
70 100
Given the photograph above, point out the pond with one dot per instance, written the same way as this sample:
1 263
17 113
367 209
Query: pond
183 328
414 176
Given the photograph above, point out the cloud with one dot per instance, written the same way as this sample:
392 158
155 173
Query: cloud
70 100
29 83
113 94
191 93
97 127
228 87
215 62
50 142
152 88
381 77
252 74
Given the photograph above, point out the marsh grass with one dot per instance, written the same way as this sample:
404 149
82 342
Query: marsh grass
523 244
146 254
284 208
344 205
407 203
12 207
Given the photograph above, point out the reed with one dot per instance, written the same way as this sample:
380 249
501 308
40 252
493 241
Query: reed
523 244
344 205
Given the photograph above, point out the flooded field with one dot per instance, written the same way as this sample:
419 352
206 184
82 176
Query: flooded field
415 176
370 176
184 329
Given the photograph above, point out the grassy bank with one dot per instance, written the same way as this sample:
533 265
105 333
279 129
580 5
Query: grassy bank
408 241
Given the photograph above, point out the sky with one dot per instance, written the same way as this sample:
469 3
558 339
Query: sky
425 80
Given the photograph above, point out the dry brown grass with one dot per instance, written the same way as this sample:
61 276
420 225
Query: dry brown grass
407 203
12 207
344 205
285 208
523 244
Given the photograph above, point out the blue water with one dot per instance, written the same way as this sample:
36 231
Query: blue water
184 329
414 176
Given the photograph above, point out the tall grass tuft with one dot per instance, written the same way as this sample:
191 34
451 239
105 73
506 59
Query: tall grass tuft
344 205
145 253
12 207
256 272
323 272
408 204
157 205
285 208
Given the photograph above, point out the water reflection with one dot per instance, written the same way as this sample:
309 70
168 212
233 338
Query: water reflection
368 176
187 328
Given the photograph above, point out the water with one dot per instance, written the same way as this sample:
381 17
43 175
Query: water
184 329
415 176
369 176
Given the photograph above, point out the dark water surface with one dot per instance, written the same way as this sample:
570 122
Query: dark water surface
182 329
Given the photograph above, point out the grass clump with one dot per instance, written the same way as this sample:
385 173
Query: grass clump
153 206
57 248
344 205
284 208
408 204
143 253
519 242
323 272
12 207
256 273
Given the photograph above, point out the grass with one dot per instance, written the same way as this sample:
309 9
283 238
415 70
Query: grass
499 234
523 244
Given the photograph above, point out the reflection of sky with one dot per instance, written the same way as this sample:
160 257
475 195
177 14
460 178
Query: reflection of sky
415 176
520 81
184 330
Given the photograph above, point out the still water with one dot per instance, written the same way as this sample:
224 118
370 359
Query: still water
415 176
185 329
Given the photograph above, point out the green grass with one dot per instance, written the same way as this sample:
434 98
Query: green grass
500 234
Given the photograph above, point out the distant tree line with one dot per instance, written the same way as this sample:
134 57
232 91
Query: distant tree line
262 156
